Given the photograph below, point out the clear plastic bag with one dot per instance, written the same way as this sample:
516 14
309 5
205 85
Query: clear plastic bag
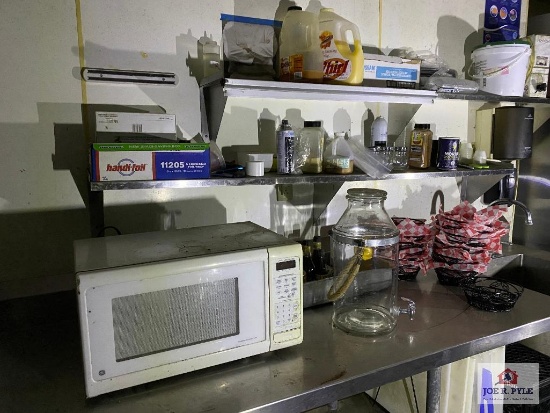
367 161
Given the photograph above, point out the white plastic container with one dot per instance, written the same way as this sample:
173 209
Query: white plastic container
379 132
501 67
300 57
341 63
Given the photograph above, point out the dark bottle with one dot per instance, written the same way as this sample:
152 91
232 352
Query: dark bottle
309 267
319 259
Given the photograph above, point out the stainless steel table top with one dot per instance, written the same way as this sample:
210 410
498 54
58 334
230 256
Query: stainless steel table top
42 371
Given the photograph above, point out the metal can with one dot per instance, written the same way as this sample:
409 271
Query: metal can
286 142
447 154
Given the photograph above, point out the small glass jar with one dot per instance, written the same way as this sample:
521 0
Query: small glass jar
400 158
365 252
311 141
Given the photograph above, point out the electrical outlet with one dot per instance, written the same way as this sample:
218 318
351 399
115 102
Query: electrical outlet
284 192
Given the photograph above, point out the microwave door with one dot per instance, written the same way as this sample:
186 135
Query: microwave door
171 317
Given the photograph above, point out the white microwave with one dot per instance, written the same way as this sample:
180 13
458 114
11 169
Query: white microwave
158 304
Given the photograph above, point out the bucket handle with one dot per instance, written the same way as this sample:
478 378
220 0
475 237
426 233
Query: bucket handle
514 60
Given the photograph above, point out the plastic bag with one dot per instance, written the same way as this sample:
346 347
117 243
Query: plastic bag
249 46
367 161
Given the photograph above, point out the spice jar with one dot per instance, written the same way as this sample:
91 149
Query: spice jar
420 147
365 252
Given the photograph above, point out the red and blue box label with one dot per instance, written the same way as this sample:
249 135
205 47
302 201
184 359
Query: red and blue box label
149 161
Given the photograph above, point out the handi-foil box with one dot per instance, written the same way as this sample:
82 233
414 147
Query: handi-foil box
149 161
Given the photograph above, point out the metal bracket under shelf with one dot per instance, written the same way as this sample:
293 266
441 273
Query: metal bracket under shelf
472 189
215 90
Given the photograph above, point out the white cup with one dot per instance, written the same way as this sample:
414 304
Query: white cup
480 157
255 168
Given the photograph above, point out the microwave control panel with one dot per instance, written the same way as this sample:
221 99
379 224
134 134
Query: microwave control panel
286 302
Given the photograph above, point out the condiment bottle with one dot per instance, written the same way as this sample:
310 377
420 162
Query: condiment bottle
341 63
308 265
319 259
379 132
286 143
300 56
420 147
312 142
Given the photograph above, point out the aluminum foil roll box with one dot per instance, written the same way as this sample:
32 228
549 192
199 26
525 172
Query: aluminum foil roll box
149 161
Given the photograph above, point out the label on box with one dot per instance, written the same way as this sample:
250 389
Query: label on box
135 122
125 162
502 19
403 73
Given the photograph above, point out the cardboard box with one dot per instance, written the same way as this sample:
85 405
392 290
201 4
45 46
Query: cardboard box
380 70
540 47
537 83
128 127
149 161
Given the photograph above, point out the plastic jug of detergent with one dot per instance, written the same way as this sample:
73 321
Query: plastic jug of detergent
300 57
342 64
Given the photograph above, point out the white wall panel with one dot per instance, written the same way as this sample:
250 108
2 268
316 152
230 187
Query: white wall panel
43 159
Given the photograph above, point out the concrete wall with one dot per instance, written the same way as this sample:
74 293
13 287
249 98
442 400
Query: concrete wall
44 126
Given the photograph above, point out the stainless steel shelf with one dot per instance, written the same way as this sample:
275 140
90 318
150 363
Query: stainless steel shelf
310 91
273 178
489 97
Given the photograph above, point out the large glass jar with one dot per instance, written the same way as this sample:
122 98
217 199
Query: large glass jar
364 250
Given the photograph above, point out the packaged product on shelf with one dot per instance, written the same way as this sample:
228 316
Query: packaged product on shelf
343 63
286 146
131 127
311 143
149 161
420 148
300 56
338 156
249 47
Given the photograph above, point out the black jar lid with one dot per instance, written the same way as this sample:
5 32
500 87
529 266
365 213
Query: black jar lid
312 124
422 126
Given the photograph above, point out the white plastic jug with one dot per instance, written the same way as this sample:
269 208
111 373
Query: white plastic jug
341 63
300 57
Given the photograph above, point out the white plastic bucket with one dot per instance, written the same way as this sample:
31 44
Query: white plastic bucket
501 69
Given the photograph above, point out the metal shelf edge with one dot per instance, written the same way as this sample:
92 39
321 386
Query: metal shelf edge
274 179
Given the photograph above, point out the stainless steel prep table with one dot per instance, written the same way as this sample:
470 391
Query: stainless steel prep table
42 372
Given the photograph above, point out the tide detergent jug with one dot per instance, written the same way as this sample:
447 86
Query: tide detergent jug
342 64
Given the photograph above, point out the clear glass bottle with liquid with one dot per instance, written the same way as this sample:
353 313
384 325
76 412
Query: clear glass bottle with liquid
365 252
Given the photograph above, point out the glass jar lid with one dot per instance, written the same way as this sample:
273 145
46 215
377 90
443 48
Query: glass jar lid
365 222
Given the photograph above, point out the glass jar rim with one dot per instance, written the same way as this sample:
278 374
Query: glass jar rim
367 193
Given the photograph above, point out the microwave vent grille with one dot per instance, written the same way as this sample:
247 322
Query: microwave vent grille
155 322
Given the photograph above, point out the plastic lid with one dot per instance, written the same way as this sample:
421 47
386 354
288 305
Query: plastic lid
312 124
503 43
422 126
294 8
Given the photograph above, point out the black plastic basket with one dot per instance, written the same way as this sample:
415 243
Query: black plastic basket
491 294
447 276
